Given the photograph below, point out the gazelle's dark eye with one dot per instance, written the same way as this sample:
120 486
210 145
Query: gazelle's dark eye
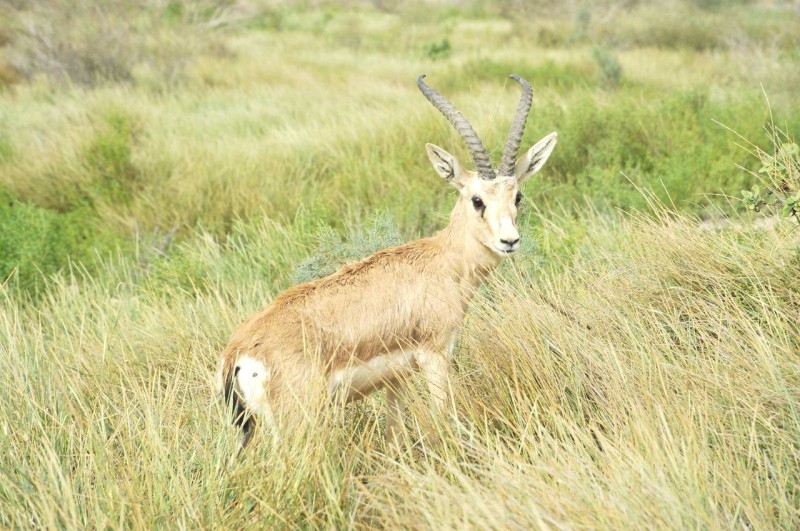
518 199
478 203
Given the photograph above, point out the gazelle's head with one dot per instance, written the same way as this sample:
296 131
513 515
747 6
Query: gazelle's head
489 198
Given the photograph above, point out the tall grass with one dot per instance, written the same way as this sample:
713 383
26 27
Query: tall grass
644 376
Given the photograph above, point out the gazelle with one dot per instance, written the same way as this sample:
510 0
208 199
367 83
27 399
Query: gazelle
375 322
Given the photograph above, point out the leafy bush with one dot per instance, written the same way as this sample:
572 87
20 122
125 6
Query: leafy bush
38 243
332 251
108 159
669 144
780 174
438 50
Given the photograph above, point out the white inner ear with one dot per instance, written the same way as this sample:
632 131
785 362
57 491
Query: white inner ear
444 163
535 158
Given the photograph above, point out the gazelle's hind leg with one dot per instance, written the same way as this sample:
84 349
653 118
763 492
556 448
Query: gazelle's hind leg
395 412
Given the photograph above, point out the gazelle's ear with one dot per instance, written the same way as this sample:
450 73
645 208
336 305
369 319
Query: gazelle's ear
445 164
536 156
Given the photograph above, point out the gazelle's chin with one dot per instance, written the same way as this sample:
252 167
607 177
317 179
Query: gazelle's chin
503 253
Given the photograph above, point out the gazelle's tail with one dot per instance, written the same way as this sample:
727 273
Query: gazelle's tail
235 401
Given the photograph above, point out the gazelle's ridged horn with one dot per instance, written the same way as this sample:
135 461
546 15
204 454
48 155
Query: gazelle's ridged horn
474 144
517 128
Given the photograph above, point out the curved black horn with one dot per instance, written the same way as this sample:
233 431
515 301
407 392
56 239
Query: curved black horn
517 128
474 144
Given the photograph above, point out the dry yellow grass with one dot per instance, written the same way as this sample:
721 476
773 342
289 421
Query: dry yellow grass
647 379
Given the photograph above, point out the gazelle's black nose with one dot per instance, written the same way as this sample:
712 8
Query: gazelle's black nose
510 243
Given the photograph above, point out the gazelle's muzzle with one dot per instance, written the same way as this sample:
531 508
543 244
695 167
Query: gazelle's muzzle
507 236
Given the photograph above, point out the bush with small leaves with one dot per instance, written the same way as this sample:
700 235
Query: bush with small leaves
780 175
332 251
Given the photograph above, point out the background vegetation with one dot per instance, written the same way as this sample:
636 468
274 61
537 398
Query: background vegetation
167 167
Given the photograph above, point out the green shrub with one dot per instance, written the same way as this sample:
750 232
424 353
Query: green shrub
438 50
108 159
38 243
610 70
332 251
669 144
780 174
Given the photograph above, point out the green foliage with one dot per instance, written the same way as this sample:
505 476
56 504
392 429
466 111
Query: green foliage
669 145
37 243
753 199
791 205
108 159
780 174
610 69
332 251
438 50
782 166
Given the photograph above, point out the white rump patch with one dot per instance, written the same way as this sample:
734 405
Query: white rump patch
251 380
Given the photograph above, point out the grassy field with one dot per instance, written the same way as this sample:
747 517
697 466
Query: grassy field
166 168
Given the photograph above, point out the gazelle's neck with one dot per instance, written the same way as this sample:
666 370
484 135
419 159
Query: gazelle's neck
469 259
